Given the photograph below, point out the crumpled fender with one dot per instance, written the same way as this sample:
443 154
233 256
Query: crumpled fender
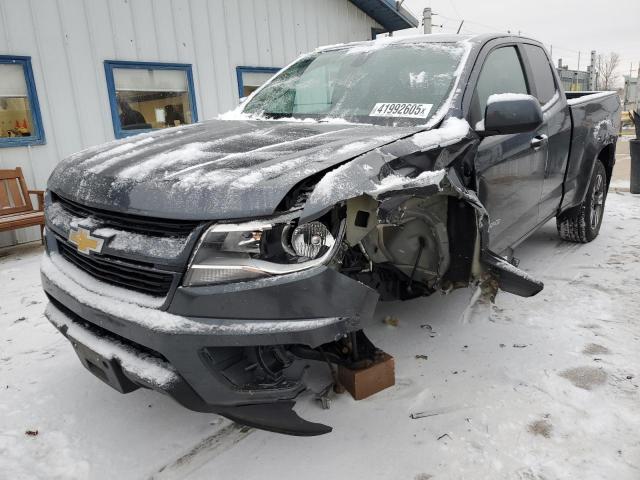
394 173
404 166
510 278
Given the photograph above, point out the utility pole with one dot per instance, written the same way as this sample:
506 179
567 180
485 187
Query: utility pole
629 85
592 72
638 89
578 60
426 20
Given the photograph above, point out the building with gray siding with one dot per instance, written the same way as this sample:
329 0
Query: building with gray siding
76 73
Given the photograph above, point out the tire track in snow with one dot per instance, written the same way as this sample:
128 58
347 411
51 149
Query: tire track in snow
203 452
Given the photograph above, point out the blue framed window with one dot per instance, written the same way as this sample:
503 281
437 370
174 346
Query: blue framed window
20 119
147 96
251 78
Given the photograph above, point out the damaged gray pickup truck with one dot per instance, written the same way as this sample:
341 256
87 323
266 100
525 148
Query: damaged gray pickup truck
214 262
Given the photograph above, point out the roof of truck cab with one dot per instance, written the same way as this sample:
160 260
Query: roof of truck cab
427 38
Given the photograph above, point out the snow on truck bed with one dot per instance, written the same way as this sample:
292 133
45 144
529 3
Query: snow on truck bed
538 388
589 96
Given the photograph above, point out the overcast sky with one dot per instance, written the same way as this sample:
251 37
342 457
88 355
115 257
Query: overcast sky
571 26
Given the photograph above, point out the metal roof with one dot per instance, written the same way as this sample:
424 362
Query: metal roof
387 13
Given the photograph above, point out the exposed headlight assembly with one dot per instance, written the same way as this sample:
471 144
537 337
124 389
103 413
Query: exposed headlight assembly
247 251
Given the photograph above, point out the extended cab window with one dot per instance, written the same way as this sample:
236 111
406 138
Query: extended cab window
501 73
542 74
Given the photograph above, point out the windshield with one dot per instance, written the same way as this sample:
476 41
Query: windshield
390 84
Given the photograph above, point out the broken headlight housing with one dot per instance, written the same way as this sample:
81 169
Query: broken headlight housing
247 251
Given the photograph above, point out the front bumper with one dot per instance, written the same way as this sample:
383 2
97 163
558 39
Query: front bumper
203 329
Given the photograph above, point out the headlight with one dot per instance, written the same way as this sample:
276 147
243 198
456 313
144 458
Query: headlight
246 251
308 240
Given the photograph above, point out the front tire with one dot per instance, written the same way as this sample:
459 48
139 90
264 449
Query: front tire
582 224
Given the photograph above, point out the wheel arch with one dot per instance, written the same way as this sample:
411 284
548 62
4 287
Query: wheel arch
608 158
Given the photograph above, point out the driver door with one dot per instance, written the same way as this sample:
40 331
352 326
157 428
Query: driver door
509 168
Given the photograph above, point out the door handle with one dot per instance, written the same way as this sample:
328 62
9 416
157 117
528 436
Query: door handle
539 141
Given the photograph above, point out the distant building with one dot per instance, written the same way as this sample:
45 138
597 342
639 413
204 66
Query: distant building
578 80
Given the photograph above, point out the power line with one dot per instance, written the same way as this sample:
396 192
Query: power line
452 24
569 53
502 29
453 6
458 20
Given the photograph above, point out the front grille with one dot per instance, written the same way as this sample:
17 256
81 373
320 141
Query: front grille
131 223
123 274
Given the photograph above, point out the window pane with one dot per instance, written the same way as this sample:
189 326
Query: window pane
542 75
315 89
150 98
252 80
15 111
138 79
501 73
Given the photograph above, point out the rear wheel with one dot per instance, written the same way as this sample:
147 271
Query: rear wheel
582 223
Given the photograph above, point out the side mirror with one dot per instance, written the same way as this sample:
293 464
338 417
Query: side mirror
512 113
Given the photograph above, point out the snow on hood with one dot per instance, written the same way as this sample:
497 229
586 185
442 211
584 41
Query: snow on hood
228 169
215 169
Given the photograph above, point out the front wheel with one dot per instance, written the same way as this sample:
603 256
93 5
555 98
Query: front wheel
582 223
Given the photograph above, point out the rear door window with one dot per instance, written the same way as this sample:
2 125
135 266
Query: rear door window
501 73
545 85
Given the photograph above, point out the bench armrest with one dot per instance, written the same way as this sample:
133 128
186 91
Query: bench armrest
40 195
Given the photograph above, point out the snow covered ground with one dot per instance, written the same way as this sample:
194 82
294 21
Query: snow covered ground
622 169
539 388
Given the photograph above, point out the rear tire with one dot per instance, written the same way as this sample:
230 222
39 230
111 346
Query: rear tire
582 224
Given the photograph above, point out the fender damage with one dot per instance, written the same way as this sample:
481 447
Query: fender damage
411 208
414 226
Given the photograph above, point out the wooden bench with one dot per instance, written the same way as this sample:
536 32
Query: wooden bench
16 209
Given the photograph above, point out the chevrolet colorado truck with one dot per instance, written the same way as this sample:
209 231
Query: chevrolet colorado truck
214 262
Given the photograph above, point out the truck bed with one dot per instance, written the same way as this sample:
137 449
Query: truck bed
574 98
595 119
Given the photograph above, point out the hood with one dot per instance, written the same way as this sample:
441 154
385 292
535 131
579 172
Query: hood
219 169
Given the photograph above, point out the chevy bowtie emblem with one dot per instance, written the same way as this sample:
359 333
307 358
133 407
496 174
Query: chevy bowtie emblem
82 239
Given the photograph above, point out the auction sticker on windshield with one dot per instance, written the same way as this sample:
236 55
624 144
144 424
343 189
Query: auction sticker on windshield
411 110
